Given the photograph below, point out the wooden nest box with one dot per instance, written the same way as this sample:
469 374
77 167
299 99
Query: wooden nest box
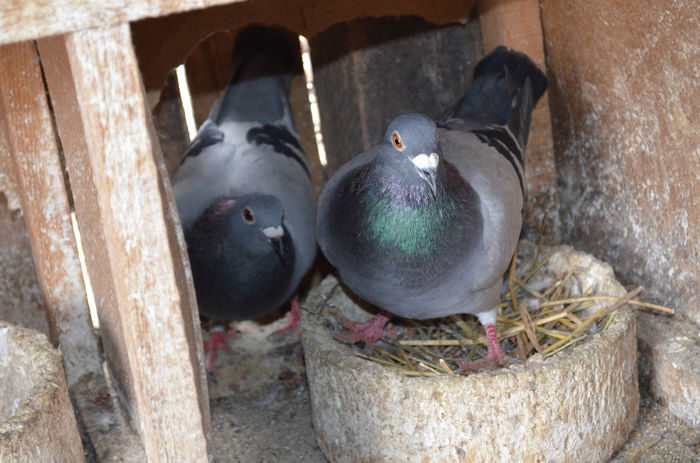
83 128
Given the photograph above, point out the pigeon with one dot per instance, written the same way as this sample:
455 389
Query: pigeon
244 191
425 224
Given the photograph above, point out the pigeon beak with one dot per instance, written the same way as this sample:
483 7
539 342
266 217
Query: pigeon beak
429 176
427 169
276 244
274 236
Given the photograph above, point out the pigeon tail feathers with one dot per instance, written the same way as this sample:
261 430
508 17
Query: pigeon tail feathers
505 87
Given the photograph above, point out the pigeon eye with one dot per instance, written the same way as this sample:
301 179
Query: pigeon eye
396 141
248 215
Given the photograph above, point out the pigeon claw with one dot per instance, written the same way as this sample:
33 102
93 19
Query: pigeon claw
293 318
495 358
487 363
215 343
368 332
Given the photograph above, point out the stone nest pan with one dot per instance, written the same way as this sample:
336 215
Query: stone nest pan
577 405
36 416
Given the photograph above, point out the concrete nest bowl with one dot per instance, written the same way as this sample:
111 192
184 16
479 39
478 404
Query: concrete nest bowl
577 405
36 417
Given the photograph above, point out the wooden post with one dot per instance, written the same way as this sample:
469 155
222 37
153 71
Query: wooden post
133 244
39 177
516 24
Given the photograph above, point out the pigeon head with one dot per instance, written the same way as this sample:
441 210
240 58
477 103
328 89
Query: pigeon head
410 147
256 222
249 235
249 228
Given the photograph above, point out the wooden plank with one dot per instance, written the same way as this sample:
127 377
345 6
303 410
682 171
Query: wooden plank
626 109
516 24
46 208
133 244
29 19
165 42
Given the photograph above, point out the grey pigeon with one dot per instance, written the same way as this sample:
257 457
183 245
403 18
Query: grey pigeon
244 191
424 224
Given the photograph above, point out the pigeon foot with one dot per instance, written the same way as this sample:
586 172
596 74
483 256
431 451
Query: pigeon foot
369 332
293 318
495 358
217 341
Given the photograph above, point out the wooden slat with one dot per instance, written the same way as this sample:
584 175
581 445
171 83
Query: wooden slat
32 143
31 19
28 19
516 24
133 245
165 42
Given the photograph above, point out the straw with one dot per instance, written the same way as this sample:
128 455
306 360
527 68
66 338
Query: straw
552 321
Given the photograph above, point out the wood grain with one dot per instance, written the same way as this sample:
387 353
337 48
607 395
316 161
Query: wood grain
32 142
30 19
625 92
165 42
133 245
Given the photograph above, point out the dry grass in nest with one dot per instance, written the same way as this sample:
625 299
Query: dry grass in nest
530 321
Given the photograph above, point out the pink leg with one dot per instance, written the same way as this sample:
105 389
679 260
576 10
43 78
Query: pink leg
494 357
369 332
217 341
293 318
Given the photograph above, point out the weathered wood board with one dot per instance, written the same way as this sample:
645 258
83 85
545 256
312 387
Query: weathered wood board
134 248
45 204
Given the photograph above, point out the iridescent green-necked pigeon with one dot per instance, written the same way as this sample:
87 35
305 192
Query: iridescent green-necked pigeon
424 224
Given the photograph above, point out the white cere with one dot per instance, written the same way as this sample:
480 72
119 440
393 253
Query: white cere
274 232
423 161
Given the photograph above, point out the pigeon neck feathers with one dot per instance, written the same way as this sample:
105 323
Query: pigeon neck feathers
402 212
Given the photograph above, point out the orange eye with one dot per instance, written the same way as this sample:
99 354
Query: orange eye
396 140
248 215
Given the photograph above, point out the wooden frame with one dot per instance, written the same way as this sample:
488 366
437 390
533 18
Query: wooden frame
131 235
24 110
135 250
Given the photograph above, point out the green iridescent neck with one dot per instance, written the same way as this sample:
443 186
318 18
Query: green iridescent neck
407 217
